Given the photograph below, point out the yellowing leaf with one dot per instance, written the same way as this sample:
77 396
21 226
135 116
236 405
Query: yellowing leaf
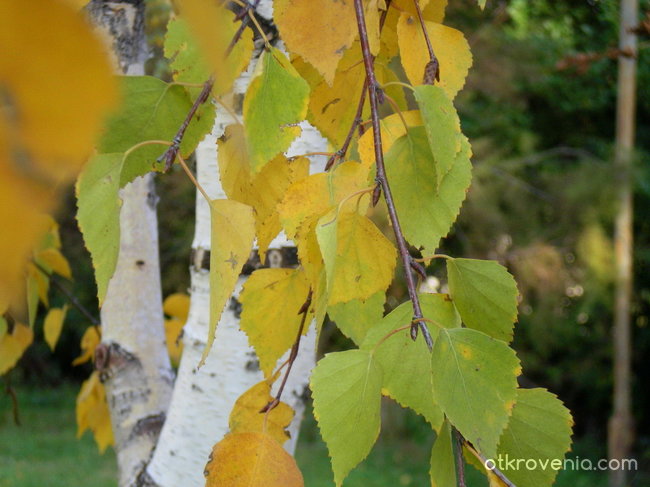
53 259
177 305
246 417
449 46
275 102
13 345
354 318
173 331
233 232
53 325
187 62
392 129
272 329
214 26
89 342
92 412
251 460
319 31
433 10
359 259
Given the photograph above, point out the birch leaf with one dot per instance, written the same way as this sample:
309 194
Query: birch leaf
442 126
53 260
346 387
272 329
355 317
399 356
475 384
187 63
251 460
319 31
233 233
485 295
53 325
540 428
275 102
427 213
359 259
89 341
449 45
92 412
13 345
247 418
177 307
214 27
443 461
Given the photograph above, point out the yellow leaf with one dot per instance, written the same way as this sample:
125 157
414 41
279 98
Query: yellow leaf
247 418
371 11
13 345
53 259
359 259
319 31
392 129
89 342
92 412
56 82
251 460
53 325
234 167
449 45
177 305
272 329
433 10
233 232
173 331
214 27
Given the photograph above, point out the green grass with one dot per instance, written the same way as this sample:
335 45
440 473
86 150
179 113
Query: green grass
44 451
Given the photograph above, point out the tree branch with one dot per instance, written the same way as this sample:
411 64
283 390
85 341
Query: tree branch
381 179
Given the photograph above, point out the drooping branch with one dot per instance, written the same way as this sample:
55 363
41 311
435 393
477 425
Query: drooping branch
373 89
432 68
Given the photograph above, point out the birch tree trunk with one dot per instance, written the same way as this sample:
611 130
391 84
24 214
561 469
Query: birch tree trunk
203 398
132 358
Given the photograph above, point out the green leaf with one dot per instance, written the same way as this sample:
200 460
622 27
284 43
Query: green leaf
406 364
346 388
442 126
359 259
354 318
426 212
232 236
443 461
481 3
186 58
152 110
540 429
276 100
475 384
98 215
485 295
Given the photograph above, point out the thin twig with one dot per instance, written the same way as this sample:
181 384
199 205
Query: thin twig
381 178
70 297
14 400
304 311
432 68
483 461
193 179
458 449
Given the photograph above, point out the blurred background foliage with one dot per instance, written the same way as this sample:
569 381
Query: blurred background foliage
539 107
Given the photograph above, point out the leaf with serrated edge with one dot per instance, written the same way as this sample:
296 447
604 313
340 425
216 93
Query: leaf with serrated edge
399 355
246 415
442 126
449 45
346 387
233 233
53 324
186 59
251 460
539 428
359 259
275 102
443 461
272 329
318 30
426 212
354 318
475 384
485 295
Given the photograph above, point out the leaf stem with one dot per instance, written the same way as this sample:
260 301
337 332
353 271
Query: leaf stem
144 143
390 334
393 104
432 69
398 83
181 161
381 177
434 256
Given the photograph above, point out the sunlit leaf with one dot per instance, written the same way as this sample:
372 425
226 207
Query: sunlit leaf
272 329
92 412
485 295
53 325
246 415
475 384
89 341
346 387
13 345
251 460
